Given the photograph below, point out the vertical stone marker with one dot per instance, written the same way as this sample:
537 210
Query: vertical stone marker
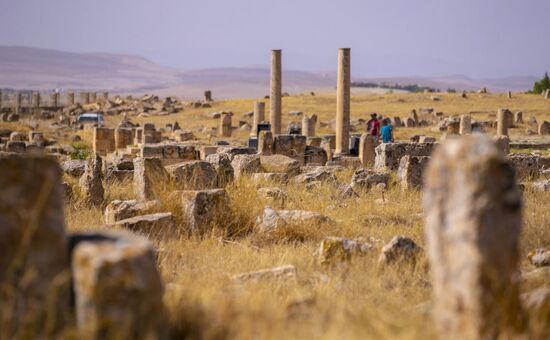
207 96
70 98
54 100
90 183
225 124
343 101
84 98
367 152
275 109
35 100
472 208
504 117
465 125
258 117
509 95
17 103
547 95
93 97
308 125
34 263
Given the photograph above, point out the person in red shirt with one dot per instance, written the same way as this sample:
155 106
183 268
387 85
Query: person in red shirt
373 126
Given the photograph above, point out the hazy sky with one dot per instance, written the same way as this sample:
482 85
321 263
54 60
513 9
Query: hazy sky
479 38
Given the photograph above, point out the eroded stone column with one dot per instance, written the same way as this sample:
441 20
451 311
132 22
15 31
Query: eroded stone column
343 96
35 100
472 207
367 152
34 265
308 125
84 98
54 100
17 102
465 125
93 97
70 98
207 96
275 109
225 125
504 119
258 117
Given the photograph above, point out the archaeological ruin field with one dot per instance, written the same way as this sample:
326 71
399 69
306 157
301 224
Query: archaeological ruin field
277 217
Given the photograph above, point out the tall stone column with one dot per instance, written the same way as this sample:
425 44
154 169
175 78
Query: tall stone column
504 118
70 98
93 97
472 207
259 116
308 125
54 98
343 95
35 100
17 102
84 98
275 115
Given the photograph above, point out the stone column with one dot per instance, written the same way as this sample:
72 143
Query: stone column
518 117
93 97
259 116
472 207
503 119
208 96
103 140
265 143
54 99
465 125
17 103
34 266
343 102
35 100
70 98
84 98
105 96
308 125
275 114
367 150
1 99
509 94
225 125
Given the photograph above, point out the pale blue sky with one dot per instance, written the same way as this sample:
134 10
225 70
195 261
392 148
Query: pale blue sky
479 38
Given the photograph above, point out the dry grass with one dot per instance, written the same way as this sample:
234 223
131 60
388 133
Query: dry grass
356 301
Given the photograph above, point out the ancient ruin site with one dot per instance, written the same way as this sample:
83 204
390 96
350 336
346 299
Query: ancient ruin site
212 200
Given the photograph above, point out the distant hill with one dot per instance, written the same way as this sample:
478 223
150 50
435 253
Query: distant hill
35 68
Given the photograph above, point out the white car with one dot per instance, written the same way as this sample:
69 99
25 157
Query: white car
94 118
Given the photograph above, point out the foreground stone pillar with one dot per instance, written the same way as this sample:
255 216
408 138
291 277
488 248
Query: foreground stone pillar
70 98
308 125
90 183
275 109
367 152
343 96
34 266
465 125
472 208
259 116
504 118
150 178
225 125
118 288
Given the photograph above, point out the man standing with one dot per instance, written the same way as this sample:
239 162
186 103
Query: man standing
386 132
373 127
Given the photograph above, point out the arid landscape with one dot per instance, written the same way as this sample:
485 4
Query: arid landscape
303 170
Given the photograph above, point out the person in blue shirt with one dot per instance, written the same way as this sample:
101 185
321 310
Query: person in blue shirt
387 132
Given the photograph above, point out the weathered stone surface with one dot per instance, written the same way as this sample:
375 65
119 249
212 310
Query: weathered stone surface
465 125
540 257
272 220
315 155
293 146
270 177
33 247
472 207
90 183
150 178
103 140
224 169
284 273
152 224
411 170
246 164
388 155
524 165
400 249
265 143
120 210
318 174
194 175
281 164
334 250
205 209
74 167
367 153
364 179
118 288
544 128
